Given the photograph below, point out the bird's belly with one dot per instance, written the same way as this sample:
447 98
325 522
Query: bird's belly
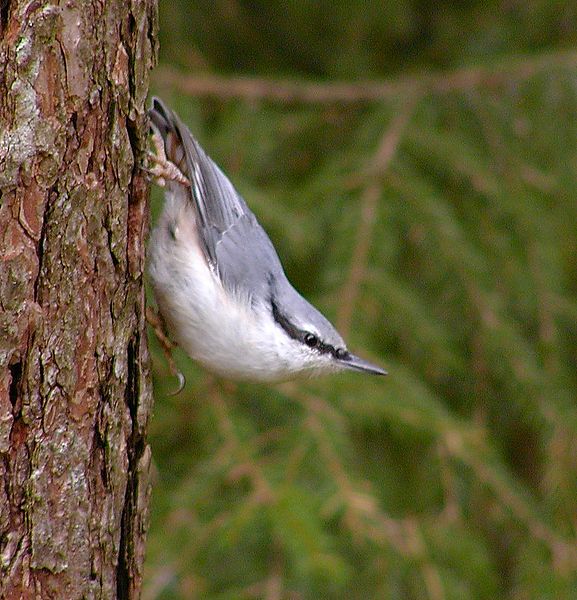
219 330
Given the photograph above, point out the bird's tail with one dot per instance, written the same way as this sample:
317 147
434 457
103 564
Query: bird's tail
171 130
217 204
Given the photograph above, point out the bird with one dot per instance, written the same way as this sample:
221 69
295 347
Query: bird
217 279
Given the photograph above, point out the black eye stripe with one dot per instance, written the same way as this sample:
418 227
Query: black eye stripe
308 338
290 329
341 353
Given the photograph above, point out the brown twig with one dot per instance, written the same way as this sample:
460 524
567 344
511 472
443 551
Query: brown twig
253 88
369 202
418 550
237 455
564 551
362 515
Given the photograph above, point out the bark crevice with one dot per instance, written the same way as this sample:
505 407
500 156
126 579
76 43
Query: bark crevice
4 15
136 449
15 376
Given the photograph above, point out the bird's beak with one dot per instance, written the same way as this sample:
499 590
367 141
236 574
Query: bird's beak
358 364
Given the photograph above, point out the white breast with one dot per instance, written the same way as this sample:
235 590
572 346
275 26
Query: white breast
225 333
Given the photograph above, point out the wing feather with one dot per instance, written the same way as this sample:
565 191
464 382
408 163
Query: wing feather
235 245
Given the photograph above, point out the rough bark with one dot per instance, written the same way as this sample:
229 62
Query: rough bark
74 384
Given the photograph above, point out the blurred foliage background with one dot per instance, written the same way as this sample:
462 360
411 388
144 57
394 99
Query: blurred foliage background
415 164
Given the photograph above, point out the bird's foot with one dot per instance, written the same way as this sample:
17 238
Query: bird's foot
155 321
163 169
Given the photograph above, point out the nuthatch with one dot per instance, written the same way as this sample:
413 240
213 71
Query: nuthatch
218 281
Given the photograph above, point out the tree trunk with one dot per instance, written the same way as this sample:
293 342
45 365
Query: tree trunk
74 384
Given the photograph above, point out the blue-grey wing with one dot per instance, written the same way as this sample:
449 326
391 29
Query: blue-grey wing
247 261
235 245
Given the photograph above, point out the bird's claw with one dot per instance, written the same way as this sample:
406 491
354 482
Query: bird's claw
163 169
157 324
181 383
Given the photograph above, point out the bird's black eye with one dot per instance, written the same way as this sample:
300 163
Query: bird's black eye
311 340
341 353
